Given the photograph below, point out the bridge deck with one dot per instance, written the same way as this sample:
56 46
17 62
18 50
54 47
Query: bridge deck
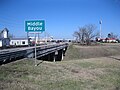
29 51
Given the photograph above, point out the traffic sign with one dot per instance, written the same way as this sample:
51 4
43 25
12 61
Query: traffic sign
35 26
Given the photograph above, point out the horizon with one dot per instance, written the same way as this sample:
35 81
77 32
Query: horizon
62 18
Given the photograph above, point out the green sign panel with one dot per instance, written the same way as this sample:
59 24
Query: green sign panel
35 26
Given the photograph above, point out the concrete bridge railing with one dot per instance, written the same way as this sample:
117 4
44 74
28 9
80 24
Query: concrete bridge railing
52 52
48 52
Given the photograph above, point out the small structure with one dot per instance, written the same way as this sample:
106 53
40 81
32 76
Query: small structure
4 33
107 40
4 42
111 40
4 39
19 42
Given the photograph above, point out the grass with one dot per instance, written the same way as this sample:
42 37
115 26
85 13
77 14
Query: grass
94 74
84 52
73 74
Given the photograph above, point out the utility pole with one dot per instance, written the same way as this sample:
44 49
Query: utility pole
45 37
38 39
100 22
28 37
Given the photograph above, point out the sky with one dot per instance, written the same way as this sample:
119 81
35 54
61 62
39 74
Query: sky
62 17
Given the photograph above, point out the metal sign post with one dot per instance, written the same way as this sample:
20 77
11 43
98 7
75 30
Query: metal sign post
35 26
28 39
35 50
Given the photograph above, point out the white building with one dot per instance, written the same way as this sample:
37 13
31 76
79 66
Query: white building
4 40
40 40
4 33
19 42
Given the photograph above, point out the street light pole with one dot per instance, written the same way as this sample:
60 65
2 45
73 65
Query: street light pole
100 22
45 37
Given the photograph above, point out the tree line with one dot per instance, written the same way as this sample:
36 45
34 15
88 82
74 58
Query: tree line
87 33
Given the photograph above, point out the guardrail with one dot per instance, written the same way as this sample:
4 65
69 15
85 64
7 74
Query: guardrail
11 55
29 51
44 50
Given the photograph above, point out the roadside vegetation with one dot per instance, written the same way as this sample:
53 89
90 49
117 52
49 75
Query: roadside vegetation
73 73
83 52
93 74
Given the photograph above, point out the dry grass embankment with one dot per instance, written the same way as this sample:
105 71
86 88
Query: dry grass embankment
84 52
78 74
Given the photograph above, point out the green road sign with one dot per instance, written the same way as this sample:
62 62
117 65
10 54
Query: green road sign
35 26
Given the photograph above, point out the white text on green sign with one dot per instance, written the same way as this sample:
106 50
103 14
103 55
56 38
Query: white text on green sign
34 26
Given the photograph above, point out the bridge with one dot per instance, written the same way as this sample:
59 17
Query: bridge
50 52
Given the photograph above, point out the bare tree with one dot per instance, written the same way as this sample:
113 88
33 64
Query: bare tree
80 35
90 33
77 35
86 33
